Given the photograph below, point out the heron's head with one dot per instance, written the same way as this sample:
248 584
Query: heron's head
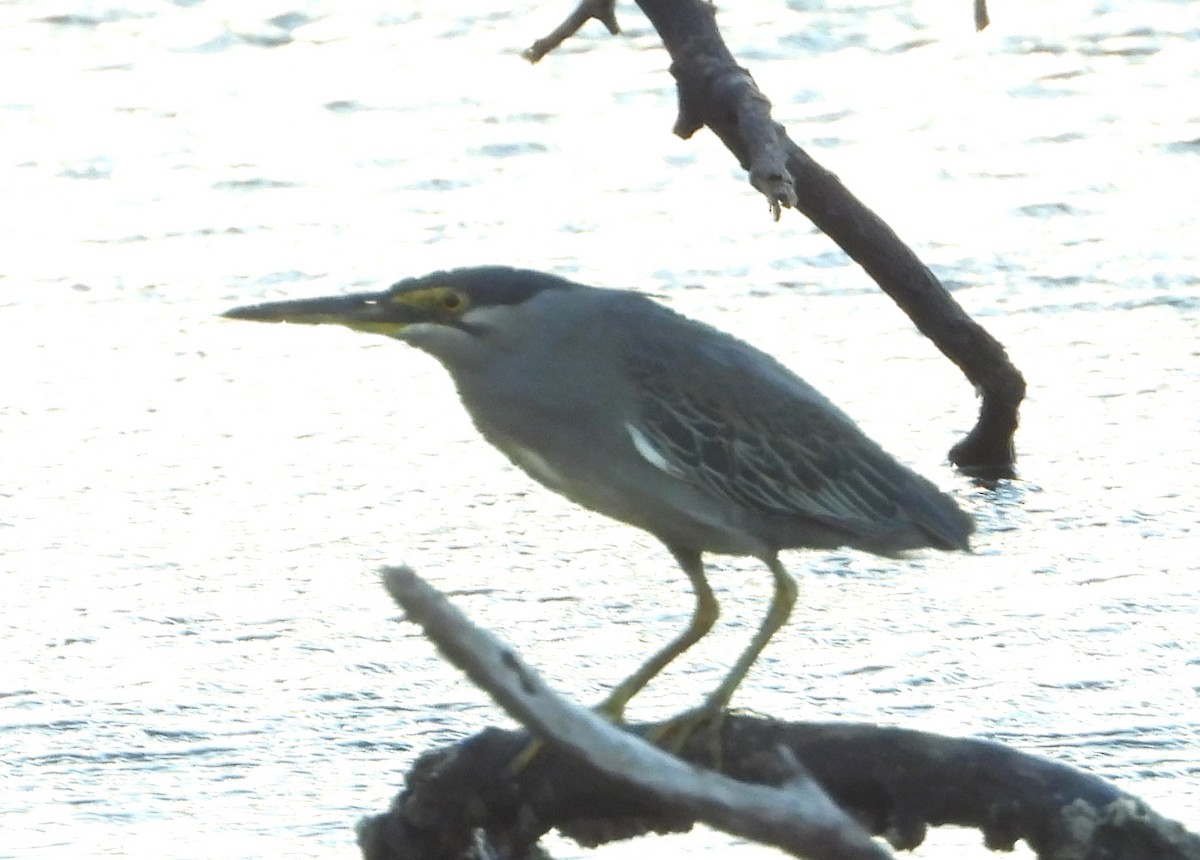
453 315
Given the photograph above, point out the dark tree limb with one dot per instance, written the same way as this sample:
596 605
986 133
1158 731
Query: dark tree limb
714 91
596 784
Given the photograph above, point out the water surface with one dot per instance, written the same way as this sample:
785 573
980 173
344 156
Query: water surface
201 662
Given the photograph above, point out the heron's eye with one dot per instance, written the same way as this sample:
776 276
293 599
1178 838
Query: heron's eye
450 300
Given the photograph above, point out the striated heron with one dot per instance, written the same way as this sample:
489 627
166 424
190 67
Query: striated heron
653 419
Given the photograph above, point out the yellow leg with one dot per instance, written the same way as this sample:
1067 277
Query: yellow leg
708 718
703 618
702 621
782 602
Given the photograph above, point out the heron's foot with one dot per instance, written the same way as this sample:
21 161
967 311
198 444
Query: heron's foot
702 725
523 759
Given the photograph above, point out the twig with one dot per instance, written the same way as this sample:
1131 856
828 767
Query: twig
761 144
601 10
981 15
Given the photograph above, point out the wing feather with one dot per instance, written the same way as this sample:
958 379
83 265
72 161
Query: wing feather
735 422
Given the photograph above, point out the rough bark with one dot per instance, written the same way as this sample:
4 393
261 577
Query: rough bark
897 783
813 790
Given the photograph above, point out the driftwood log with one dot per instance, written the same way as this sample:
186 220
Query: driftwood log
813 790
715 92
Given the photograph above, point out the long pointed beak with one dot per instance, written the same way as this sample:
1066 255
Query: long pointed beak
370 312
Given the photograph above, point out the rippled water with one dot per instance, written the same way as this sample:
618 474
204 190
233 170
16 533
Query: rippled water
201 662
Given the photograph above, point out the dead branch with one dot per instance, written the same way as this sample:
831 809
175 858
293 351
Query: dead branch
798 818
714 91
808 788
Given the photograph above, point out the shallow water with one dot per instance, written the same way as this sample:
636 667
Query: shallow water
201 661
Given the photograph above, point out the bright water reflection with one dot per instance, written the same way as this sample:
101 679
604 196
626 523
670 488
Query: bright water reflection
201 662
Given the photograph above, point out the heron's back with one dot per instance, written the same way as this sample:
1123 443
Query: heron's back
637 412
736 422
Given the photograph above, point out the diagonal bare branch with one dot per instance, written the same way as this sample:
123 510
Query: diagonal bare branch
799 817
